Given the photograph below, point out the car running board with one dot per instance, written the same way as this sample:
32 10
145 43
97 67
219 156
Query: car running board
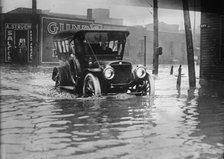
68 87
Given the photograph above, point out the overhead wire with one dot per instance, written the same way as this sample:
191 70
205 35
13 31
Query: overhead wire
150 4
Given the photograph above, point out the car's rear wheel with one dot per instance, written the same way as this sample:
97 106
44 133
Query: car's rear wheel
55 76
91 86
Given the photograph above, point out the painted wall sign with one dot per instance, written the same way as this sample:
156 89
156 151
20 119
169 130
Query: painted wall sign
18 26
9 44
50 26
54 27
15 32
31 45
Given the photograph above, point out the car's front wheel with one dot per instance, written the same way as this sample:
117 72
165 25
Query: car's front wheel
91 86
144 86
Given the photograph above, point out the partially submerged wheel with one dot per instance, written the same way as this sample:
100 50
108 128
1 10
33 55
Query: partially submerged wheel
55 76
61 76
144 86
91 86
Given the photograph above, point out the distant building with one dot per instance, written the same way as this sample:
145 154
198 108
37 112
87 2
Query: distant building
171 40
173 45
102 16
163 27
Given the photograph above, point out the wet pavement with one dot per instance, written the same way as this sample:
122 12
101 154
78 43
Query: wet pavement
40 122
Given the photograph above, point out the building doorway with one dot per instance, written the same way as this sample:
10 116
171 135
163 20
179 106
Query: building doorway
18 48
21 43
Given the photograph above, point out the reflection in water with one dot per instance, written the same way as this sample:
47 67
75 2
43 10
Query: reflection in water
39 122
104 125
211 116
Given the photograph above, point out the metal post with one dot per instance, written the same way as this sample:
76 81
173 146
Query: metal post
155 37
35 56
189 45
145 51
171 70
179 78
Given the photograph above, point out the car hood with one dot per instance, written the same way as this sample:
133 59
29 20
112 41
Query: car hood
118 62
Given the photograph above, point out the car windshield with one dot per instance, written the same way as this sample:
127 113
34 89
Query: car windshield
105 43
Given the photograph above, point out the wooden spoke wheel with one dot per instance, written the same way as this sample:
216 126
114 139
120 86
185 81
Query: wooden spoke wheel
143 87
91 86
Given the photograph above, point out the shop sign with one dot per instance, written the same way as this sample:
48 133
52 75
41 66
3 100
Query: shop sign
54 27
9 44
18 26
31 46
11 30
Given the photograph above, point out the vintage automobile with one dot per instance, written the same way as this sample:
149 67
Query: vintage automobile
91 64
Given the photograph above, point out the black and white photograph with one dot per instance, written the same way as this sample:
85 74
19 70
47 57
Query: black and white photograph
111 79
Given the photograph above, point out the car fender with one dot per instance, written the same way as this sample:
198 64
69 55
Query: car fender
94 70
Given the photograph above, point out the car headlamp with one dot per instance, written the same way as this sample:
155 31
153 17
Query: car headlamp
140 71
109 72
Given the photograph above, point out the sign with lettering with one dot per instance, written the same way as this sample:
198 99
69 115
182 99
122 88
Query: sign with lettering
18 26
54 27
9 44
13 34
50 26
30 46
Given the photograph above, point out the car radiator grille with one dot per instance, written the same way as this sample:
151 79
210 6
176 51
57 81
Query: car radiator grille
122 73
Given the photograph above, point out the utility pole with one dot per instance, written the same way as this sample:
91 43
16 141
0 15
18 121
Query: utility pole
35 55
155 38
189 44
145 51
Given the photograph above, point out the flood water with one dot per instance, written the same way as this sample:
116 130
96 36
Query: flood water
40 122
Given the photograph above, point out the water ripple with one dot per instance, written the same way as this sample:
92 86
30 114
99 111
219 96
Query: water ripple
38 121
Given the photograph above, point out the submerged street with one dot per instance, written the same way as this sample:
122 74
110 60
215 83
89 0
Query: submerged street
40 122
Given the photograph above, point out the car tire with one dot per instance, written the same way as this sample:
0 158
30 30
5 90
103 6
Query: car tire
146 86
91 86
143 87
55 76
